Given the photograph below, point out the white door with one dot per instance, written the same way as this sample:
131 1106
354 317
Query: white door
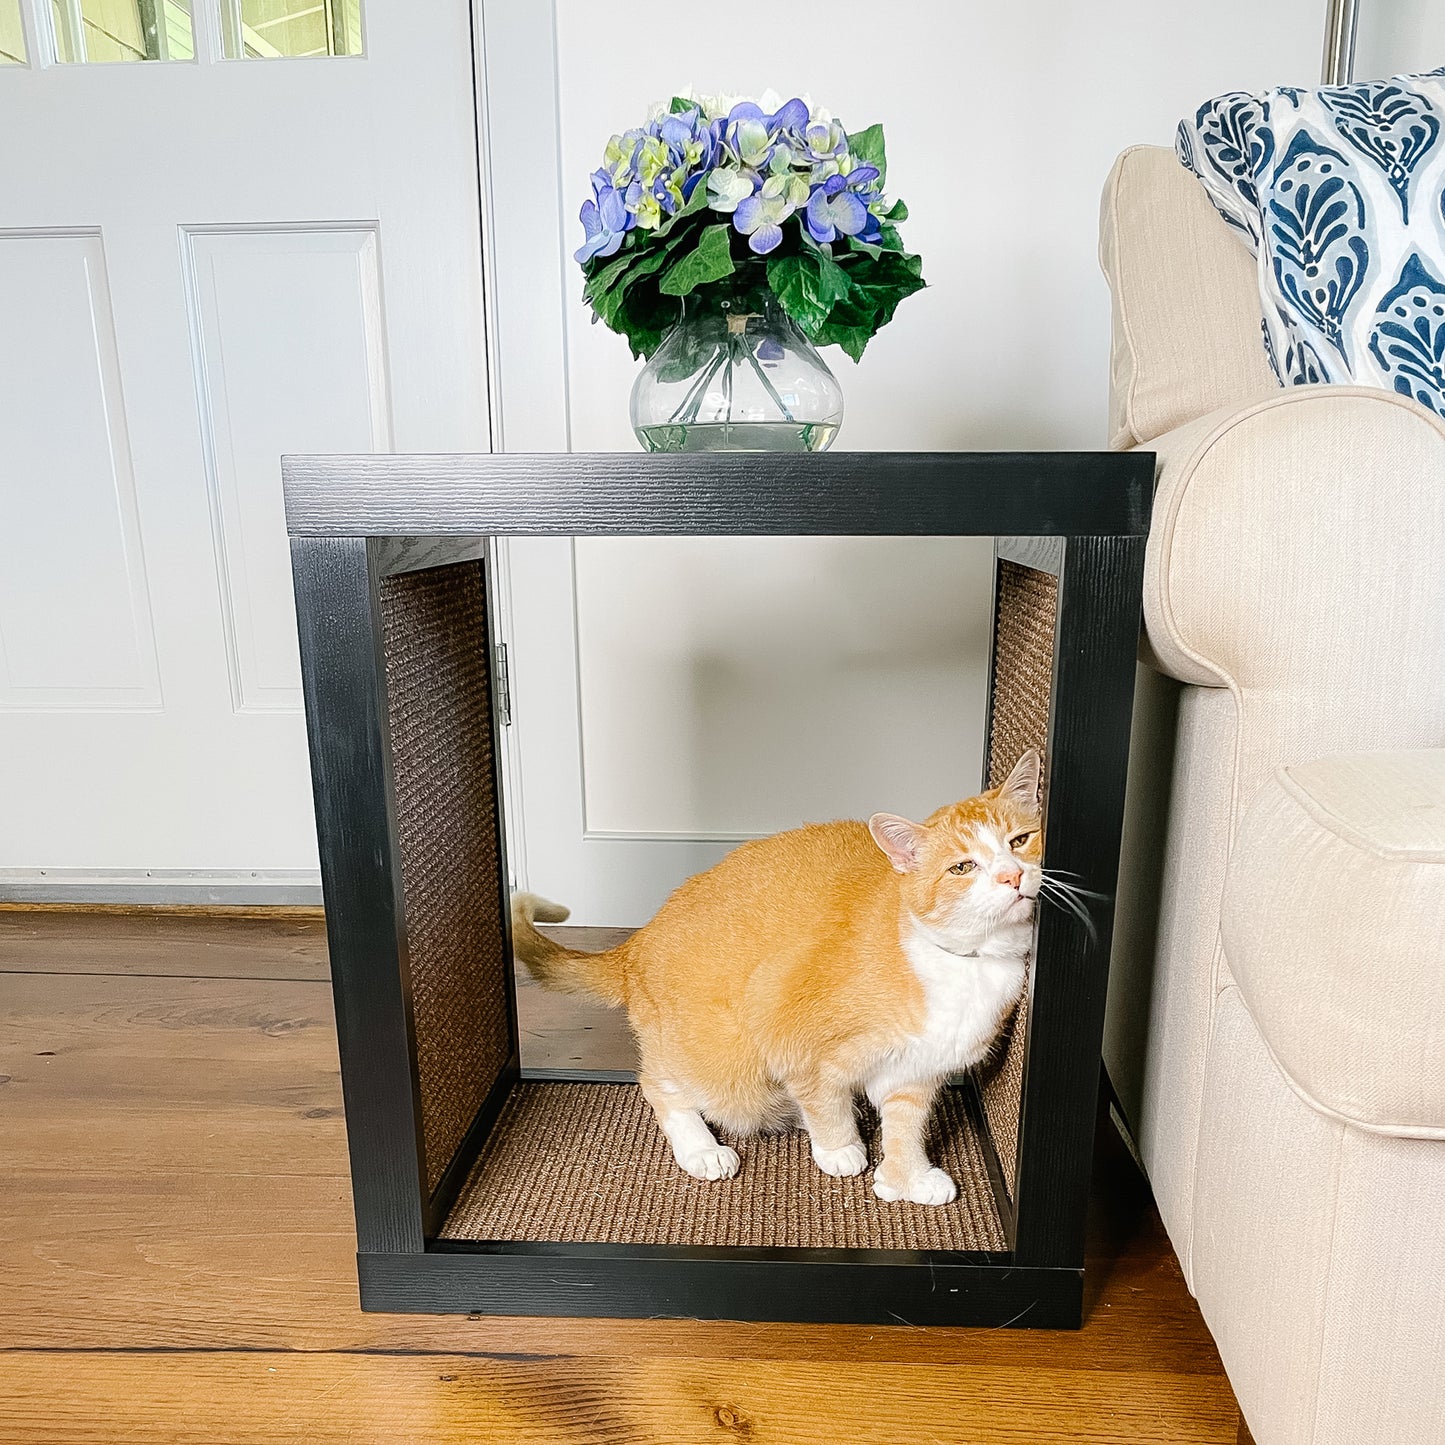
263 239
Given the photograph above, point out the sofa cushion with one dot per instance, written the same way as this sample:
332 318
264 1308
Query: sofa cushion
1334 929
1186 323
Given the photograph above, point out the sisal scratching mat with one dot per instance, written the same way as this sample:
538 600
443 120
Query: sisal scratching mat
435 632
1023 676
587 1163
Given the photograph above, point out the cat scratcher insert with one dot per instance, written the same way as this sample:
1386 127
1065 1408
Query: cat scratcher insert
587 1163
483 1187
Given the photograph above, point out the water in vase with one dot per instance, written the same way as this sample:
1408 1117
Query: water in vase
723 436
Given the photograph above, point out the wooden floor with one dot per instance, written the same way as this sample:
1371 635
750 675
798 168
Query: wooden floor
176 1256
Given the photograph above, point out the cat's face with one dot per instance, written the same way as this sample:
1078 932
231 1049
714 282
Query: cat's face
975 865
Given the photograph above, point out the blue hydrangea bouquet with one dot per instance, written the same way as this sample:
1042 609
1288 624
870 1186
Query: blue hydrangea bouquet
716 194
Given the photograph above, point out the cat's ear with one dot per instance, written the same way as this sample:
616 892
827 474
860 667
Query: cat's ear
898 838
1021 787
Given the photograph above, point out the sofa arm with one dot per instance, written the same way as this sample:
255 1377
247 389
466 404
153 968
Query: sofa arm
1334 928
1299 543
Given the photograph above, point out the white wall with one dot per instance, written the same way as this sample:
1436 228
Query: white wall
1398 37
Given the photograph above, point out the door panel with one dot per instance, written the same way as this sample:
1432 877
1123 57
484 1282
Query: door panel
291 357
732 687
75 614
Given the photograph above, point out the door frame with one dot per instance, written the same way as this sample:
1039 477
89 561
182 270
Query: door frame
514 50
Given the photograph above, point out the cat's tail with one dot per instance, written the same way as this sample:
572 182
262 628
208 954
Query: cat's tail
564 969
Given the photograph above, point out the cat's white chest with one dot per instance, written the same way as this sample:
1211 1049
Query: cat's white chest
965 1003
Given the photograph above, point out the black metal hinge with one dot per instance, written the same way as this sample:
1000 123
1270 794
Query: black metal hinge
502 684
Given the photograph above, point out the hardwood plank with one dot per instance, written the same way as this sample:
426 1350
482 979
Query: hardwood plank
191 943
89 1259
567 1031
317 1399
557 1030
198 1260
143 1073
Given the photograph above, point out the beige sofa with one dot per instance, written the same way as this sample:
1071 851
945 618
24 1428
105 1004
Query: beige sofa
1277 1013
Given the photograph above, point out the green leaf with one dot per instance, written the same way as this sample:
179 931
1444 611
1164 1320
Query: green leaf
690 207
607 290
851 325
890 240
897 212
609 304
881 292
853 339
792 279
866 247
867 146
877 286
807 286
688 352
679 105
602 279
832 283
710 262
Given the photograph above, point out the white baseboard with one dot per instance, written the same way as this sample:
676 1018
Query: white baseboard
165 886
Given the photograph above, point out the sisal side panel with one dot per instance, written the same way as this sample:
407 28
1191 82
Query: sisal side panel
586 1163
1027 608
434 635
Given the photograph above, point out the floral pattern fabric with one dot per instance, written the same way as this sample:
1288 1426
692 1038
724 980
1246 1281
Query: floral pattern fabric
1340 194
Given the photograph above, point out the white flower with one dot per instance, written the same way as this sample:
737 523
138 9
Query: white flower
716 106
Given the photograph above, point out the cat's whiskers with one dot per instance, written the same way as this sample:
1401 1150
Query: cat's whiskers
1062 896
1058 878
1068 905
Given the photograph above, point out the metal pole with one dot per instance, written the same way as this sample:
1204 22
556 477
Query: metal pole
1338 65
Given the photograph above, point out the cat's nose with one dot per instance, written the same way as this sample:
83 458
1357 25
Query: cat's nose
1009 875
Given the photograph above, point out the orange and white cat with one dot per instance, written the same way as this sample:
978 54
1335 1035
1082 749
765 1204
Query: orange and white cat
806 968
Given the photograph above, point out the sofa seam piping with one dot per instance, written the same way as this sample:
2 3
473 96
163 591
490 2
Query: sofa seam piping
1431 1133
1346 831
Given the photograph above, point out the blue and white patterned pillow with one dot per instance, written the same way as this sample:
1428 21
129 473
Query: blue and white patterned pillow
1340 193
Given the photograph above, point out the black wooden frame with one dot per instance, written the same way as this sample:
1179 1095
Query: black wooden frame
1082 517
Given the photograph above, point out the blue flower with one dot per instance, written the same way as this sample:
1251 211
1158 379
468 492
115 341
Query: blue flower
605 222
791 117
760 217
833 209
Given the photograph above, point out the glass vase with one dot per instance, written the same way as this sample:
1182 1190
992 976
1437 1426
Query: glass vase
736 374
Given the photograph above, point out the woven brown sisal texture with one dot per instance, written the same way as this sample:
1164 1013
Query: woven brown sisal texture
1023 671
587 1163
434 633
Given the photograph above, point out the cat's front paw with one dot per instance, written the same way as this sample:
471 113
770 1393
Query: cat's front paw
931 1187
841 1163
714 1162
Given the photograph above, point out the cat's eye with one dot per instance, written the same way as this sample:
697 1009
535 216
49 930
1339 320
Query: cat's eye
967 866
1019 839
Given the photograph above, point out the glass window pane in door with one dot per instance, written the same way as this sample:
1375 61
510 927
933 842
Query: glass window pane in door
95 32
272 29
12 34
